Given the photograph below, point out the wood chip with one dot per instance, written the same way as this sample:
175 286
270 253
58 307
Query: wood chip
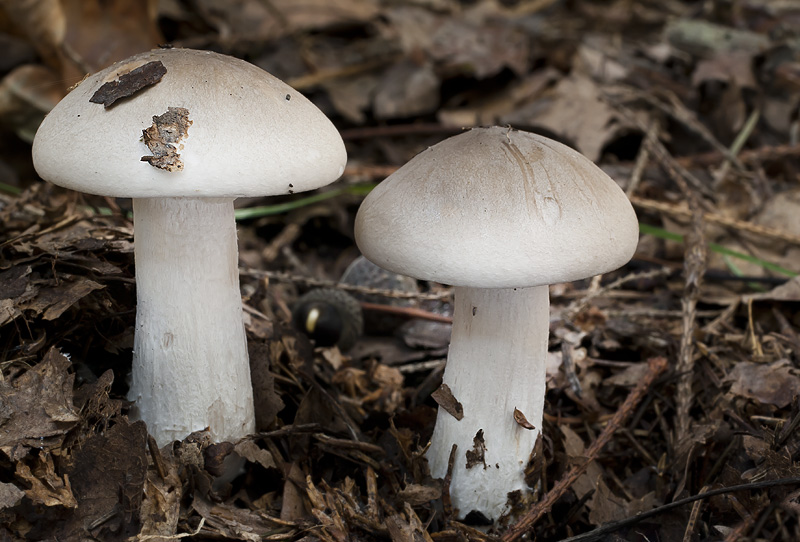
444 397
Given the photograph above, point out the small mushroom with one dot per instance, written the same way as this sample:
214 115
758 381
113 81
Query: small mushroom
500 214
183 145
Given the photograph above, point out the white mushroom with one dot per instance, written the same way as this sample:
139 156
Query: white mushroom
204 129
499 214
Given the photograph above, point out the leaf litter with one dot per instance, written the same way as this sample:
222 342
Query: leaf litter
651 92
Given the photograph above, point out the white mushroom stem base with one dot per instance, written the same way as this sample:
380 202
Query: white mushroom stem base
190 363
496 363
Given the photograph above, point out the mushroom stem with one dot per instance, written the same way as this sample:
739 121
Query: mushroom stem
190 362
496 363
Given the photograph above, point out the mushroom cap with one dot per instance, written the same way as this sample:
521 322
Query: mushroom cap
250 133
498 208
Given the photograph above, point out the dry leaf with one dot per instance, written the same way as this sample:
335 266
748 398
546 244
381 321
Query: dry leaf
36 407
574 111
251 452
46 486
521 420
108 476
10 495
768 383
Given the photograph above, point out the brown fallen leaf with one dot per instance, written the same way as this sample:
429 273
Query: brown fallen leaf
573 110
254 454
605 506
52 302
267 402
46 486
520 418
108 476
10 495
36 407
163 492
768 383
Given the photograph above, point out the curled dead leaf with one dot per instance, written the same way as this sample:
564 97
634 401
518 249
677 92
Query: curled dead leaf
520 418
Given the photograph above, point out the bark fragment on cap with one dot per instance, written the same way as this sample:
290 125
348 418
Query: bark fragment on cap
162 136
129 84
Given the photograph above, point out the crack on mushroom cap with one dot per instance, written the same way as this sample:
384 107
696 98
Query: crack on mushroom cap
161 137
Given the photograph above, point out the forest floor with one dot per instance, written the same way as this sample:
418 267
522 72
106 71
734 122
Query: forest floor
672 405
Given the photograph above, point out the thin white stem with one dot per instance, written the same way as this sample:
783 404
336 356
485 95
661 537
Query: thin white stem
496 363
190 363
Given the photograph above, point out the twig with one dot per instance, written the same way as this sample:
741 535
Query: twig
695 259
310 281
578 305
674 210
642 159
169 537
706 159
416 128
738 143
761 154
655 367
601 532
407 312
737 533
690 525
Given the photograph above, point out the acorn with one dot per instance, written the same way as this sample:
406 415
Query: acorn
362 272
329 316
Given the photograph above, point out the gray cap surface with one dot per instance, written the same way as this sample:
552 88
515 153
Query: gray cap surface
498 208
244 133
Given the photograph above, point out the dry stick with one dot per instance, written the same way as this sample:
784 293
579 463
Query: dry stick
642 159
655 367
695 259
737 533
407 312
675 210
737 145
761 154
678 111
598 534
706 159
579 304
690 525
318 283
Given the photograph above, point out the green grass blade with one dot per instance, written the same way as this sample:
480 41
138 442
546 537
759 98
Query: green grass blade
278 208
719 249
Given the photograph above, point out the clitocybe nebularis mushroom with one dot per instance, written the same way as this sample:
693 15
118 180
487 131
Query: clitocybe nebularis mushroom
191 131
500 214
